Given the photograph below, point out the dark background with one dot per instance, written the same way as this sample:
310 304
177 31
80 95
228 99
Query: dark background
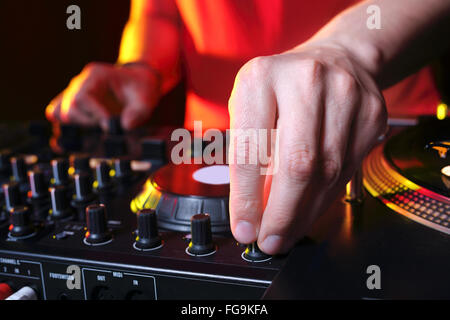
39 55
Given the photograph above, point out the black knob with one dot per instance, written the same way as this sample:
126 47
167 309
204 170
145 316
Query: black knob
80 163
153 148
122 168
148 236
12 195
19 169
69 137
38 186
201 236
60 170
21 224
83 188
103 177
84 195
5 165
253 254
97 228
114 126
60 203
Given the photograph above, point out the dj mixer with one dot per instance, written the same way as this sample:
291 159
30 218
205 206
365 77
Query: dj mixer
95 215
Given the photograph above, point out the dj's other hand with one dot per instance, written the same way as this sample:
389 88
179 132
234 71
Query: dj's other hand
328 112
102 90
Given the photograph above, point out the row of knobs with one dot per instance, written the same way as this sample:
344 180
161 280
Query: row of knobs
148 237
59 195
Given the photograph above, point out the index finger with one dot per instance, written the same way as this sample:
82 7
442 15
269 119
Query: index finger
252 107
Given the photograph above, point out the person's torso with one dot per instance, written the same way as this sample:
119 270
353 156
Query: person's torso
220 36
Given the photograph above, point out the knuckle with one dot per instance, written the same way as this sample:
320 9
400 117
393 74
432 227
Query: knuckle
94 68
259 66
312 68
282 222
91 66
300 163
377 113
243 202
77 100
345 83
254 71
331 170
245 151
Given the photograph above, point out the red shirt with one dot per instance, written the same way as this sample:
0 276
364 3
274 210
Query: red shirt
219 36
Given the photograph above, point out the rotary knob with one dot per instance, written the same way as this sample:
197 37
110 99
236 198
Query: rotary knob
12 195
80 163
19 169
201 236
83 194
253 254
5 165
60 171
148 236
122 168
61 209
38 196
103 182
38 186
114 126
83 188
21 224
97 227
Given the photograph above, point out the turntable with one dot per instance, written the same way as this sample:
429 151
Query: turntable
409 174
401 227
177 192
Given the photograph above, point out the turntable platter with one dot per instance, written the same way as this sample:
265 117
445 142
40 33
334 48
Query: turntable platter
177 192
409 154
408 177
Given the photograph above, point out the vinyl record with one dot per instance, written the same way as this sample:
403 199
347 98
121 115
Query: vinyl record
177 192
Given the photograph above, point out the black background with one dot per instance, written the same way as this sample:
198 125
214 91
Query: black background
39 55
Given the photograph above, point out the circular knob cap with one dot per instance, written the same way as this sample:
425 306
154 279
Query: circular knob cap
38 186
97 228
114 126
12 195
60 203
80 163
5 165
148 236
83 187
21 225
19 169
253 254
122 167
102 174
201 236
60 170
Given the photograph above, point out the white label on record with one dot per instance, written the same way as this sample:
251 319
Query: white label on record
215 175
446 171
